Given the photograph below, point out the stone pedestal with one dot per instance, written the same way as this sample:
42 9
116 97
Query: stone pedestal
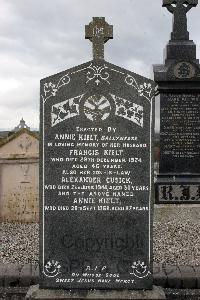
178 82
42 294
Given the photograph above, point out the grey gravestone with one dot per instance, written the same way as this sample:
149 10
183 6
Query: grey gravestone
179 85
96 175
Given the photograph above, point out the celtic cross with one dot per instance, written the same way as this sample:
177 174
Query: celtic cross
179 9
98 32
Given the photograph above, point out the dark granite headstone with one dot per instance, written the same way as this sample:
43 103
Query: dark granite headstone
179 85
96 175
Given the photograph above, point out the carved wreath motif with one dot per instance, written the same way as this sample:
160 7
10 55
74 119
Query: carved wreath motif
97 108
184 70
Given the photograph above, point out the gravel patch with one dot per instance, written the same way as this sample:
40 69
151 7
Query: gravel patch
19 243
174 243
177 243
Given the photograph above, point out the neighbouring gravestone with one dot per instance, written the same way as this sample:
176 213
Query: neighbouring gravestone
179 85
96 174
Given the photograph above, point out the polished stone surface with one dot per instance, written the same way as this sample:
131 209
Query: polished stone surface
95 177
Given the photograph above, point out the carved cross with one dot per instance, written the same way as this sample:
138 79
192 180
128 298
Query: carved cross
98 32
179 9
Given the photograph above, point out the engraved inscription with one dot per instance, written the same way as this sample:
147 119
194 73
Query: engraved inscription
97 170
98 31
96 180
180 126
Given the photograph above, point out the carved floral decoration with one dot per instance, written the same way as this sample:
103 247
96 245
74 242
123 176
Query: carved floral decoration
50 89
146 90
97 73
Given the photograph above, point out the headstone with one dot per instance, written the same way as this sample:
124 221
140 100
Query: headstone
179 85
96 174
19 163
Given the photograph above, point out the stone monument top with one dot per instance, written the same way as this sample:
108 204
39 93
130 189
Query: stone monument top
178 81
180 61
98 32
179 9
21 125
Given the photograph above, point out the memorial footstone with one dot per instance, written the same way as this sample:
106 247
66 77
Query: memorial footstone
179 85
96 175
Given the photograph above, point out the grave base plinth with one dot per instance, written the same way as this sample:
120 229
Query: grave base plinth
177 189
47 294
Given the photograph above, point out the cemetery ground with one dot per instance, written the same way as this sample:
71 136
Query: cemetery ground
101 102
176 238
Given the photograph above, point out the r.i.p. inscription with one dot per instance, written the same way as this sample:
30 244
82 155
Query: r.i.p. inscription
96 172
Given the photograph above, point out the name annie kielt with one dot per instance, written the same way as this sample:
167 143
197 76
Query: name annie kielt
98 170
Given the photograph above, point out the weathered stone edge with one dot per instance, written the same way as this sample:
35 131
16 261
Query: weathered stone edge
19 293
166 276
